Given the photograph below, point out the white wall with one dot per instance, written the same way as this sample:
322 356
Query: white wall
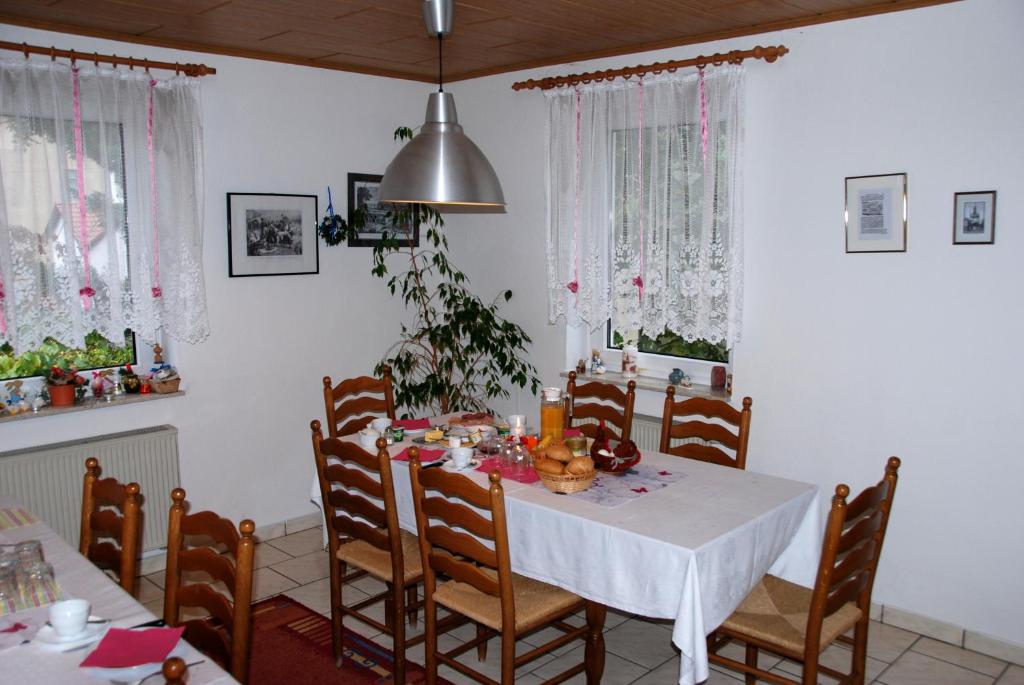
851 358
254 385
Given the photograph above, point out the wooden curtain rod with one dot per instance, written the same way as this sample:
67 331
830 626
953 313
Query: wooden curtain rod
769 54
96 58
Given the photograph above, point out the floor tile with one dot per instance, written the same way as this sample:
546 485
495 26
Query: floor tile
668 674
305 569
316 596
886 643
491 667
369 585
147 591
298 544
922 625
643 643
961 657
616 669
267 583
736 651
919 669
1014 675
838 658
267 555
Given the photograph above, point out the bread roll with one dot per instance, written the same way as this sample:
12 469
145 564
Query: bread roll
580 466
559 452
548 466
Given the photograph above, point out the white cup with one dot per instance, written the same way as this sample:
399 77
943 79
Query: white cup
461 456
380 424
69 617
454 442
368 438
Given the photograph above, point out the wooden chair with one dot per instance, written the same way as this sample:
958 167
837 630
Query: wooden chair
229 644
124 527
712 436
800 623
364 535
482 586
352 403
618 416
175 671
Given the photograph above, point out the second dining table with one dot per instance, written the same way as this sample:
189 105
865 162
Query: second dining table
677 539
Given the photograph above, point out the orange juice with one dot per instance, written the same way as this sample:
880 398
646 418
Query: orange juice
552 414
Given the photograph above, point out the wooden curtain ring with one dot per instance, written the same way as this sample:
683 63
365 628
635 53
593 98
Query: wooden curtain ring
145 64
131 63
24 48
177 69
53 54
73 58
96 59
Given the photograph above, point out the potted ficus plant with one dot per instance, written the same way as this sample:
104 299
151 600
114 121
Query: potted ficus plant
457 352
63 384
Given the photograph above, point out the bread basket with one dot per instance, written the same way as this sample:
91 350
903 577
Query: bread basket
164 387
567 483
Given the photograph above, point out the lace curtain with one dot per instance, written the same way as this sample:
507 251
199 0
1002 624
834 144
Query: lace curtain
100 200
644 227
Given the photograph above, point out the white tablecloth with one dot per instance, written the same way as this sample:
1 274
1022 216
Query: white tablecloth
79 578
689 552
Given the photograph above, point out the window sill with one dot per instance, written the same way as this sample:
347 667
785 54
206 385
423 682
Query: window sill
653 383
88 404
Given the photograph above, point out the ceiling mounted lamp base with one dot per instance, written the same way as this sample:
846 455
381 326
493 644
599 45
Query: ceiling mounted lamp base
441 165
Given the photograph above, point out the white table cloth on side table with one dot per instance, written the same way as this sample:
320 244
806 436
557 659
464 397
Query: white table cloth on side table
79 578
690 551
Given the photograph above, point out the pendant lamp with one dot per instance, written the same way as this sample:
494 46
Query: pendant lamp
441 165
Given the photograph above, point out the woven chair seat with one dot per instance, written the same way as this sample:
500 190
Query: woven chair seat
377 562
776 612
535 602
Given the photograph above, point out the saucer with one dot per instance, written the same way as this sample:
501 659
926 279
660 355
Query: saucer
450 467
47 638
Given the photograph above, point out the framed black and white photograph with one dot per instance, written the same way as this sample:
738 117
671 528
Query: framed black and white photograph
876 213
363 192
974 218
272 234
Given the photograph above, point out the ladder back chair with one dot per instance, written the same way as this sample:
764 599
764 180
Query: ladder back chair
354 402
229 643
365 535
799 623
119 521
175 671
713 438
479 584
615 407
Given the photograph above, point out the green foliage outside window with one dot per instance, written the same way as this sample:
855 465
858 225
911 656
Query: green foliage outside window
98 353
672 345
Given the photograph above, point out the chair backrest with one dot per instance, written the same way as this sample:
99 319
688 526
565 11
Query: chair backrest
850 552
713 437
230 644
456 554
352 481
616 408
108 524
354 402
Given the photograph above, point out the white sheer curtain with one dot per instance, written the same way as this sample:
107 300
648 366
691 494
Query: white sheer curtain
647 233
136 150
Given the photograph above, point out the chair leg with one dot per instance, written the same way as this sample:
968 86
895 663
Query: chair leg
430 642
481 649
398 625
389 608
337 628
860 652
410 599
508 657
594 651
751 660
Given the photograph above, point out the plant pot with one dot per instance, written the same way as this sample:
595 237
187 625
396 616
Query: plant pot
62 395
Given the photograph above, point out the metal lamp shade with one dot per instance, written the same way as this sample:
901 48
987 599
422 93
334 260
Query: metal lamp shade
441 165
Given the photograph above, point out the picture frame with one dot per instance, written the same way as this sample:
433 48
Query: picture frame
272 234
876 213
974 217
362 193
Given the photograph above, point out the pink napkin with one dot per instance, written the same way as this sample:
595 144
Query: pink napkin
411 424
425 455
522 475
572 433
122 648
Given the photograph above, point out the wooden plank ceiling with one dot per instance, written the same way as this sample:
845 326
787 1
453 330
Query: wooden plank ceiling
387 37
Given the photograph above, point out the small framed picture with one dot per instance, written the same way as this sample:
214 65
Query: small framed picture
974 218
876 213
272 234
362 194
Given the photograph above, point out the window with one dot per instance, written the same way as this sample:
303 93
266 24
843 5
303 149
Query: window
98 353
669 344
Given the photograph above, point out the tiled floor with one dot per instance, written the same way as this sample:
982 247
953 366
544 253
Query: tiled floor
638 651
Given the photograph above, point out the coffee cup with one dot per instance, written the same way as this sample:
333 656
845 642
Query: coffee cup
69 617
461 457
380 424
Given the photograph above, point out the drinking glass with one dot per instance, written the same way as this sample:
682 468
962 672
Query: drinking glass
9 567
29 552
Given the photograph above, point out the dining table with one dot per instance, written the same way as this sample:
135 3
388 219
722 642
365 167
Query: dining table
22 661
673 538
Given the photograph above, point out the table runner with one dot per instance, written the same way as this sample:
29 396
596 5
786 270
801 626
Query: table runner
12 517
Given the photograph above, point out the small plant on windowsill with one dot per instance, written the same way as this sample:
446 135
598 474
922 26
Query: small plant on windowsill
458 352
64 385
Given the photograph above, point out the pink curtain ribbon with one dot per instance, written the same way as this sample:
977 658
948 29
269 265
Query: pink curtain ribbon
639 280
574 285
3 319
87 292
703 115
157 292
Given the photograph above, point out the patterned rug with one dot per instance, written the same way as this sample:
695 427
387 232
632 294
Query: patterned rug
292 644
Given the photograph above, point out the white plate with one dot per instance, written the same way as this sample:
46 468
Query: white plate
133 673
413 432
48 640
450 467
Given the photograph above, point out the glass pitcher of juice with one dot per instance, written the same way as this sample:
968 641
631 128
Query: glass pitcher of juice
552 413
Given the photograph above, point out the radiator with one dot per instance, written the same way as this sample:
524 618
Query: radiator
646 432
48 479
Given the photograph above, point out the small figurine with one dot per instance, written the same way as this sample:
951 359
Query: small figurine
597 367
676 376
728 383
581 367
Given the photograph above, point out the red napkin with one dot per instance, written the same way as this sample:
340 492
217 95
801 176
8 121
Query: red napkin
522 475
425 455
411 424
122 648
571 433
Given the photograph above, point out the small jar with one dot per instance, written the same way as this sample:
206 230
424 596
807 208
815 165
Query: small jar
552 413
629 357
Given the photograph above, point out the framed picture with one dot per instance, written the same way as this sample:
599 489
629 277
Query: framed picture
974 218
272 234
876 213
362 193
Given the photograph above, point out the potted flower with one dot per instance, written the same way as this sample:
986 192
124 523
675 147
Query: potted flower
130 381
62 385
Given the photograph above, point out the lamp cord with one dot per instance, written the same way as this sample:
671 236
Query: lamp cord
440 63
